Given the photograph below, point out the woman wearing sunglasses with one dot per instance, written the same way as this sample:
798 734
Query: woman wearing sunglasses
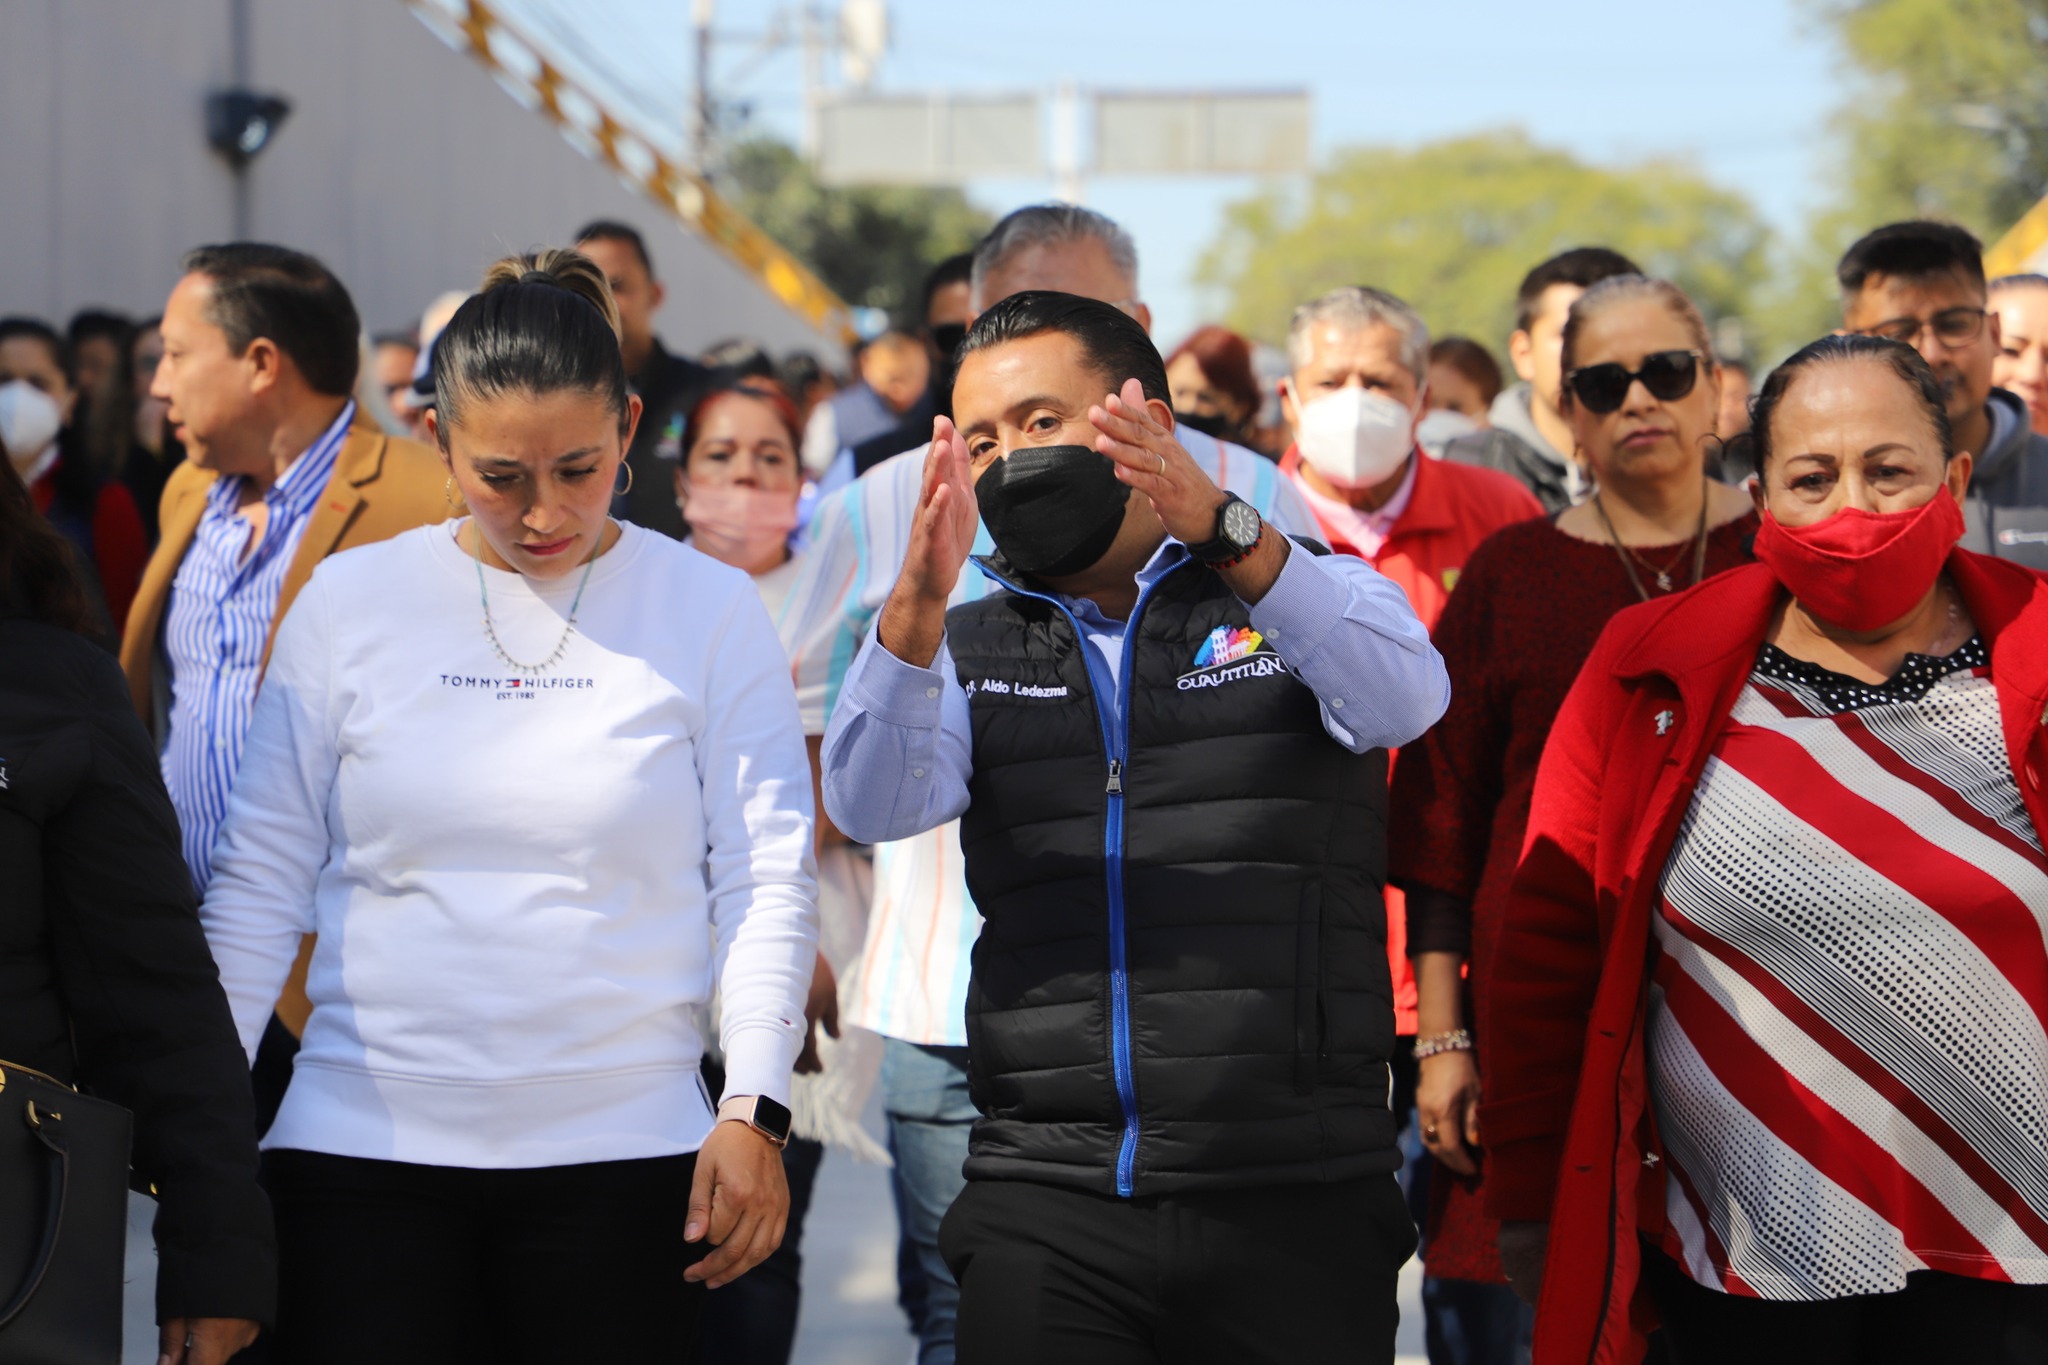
1641 396
1774 963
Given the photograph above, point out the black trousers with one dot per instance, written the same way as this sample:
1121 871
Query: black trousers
1289 1273
438 1265
1936 1317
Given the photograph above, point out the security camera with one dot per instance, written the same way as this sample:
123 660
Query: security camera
240 123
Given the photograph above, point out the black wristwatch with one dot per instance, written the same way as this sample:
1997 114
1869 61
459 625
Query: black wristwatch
1238 530
758 1112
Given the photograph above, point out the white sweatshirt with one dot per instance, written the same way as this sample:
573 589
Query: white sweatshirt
523 887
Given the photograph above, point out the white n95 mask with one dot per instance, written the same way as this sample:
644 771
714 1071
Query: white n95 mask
29 422
1354 437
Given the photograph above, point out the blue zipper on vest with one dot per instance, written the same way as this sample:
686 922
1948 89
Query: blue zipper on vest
1115 722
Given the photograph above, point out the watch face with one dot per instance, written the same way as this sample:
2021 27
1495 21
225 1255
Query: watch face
771 1118
1240 525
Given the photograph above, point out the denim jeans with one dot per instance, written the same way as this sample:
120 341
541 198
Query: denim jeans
924 1092
1469 1323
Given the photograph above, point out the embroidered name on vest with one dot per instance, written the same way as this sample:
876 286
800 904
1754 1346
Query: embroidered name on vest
1010 689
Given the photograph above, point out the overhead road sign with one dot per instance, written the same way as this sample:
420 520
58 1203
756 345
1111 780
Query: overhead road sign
928 139
1201 133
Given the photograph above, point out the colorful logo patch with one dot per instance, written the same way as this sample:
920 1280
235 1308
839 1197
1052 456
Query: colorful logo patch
1226 645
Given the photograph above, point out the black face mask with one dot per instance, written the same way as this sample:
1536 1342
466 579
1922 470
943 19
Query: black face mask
946 339
1208 423
1052 510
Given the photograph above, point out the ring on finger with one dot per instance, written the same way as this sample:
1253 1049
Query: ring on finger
1162 463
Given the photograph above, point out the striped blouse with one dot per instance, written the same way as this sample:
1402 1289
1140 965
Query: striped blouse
215 633
1846 1037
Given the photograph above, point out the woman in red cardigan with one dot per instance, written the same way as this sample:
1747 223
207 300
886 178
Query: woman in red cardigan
1770 1065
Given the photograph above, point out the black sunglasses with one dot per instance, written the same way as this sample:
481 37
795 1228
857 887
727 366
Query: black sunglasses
1668 375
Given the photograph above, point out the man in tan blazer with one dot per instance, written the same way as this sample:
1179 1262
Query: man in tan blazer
260 358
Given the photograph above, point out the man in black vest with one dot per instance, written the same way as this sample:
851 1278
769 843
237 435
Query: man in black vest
1163 739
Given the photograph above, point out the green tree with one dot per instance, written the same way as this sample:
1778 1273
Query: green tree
873 246
1945 116
1453 226
1947 111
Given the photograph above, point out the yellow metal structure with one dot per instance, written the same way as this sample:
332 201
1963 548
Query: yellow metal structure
526 71
2020 243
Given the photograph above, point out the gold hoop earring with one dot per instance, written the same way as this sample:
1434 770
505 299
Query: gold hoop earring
621 492
448 494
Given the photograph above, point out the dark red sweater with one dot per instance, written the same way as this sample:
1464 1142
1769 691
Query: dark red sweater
1527 610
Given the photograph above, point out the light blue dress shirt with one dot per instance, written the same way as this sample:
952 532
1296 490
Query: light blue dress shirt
899 751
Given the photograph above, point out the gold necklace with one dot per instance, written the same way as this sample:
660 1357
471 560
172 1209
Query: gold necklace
1629 558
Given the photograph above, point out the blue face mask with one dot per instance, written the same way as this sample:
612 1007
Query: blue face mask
1052 510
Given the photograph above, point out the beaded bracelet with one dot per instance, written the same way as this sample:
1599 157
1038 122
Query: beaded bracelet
1457 1040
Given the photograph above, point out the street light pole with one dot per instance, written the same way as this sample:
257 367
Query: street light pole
701 16
1066 143
814 78
238 67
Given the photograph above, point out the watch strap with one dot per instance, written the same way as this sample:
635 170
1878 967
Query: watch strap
1242 555
747 1109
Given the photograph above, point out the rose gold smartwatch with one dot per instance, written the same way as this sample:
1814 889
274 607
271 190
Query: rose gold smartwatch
763 1115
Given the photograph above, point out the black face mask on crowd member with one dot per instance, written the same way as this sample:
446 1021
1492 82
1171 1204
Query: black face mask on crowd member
1052 510
1208 423
946 339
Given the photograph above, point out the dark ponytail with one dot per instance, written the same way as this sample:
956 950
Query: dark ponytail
542 323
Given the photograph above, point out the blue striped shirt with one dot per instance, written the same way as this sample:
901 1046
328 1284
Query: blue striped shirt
222 602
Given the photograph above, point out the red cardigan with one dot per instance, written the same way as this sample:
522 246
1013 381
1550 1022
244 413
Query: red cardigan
1570 1136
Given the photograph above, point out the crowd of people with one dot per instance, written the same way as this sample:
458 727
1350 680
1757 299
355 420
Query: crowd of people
496 799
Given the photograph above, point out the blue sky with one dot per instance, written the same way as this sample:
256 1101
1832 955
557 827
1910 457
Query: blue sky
1742 89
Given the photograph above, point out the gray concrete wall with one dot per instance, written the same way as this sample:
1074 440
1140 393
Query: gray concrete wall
403 164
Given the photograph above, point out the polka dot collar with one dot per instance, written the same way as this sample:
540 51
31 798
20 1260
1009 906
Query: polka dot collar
1837 692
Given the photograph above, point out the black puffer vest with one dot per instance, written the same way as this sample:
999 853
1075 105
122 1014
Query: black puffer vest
1181 981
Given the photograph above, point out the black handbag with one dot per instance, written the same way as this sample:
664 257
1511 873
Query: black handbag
63 1222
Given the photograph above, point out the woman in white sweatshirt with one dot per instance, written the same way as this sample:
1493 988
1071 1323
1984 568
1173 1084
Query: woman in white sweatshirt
536 779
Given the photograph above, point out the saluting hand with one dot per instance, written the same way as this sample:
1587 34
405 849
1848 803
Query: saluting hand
914 618
1150 460
1185 498
946 516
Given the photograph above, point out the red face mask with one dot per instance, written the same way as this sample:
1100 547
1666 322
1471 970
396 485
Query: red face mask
1863 570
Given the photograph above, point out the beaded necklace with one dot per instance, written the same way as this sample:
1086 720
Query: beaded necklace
491 631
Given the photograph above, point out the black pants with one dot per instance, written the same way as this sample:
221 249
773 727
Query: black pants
1936 1317
1288 1273
438 1265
